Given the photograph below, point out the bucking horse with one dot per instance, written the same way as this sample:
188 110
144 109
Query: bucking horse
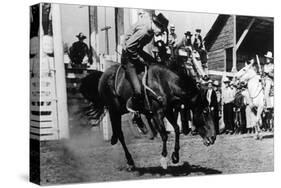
112 91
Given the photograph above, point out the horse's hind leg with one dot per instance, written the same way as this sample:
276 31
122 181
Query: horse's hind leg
115 118
173 120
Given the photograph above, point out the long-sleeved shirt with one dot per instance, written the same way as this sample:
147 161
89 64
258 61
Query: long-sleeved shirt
139 35
228 95
184 43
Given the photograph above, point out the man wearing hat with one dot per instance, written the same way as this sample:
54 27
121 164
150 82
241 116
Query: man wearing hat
172 36
216 86
213 104
186 43
268 74
134 57
79 50
198 41
228 96
199 47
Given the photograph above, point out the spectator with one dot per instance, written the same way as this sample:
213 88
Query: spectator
227 100
172 36
198 41
268 75
240 107
213 104
185 43
216 86
199 47
79 50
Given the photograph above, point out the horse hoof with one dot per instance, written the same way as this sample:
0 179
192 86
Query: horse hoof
114 140
164 162
175 158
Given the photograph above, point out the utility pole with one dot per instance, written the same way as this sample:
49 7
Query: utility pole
105 29
94 35
234 52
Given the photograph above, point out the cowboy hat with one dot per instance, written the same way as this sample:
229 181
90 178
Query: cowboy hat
216 83
269 55
188 33
226 80
172 26
232 83
198 30
161 21
210 81
81 36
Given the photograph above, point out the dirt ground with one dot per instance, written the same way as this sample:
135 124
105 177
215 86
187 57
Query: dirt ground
88 158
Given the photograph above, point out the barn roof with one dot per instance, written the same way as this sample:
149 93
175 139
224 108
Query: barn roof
261 30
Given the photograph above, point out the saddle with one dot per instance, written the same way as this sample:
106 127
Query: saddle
149 94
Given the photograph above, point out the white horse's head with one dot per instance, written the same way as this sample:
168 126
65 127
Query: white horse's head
246 73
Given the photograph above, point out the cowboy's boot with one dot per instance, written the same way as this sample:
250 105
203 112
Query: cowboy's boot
138 106
140 124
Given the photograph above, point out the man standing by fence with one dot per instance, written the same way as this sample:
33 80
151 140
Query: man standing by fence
213 104
227 100
79 50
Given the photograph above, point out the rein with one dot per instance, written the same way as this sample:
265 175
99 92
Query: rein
144 82
256 95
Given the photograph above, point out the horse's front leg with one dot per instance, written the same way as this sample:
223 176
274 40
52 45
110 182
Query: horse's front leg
164 158
172 118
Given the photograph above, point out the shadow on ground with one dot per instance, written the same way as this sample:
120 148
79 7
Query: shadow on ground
182 170
268 136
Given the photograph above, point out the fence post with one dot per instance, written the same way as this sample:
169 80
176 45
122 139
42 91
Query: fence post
60 74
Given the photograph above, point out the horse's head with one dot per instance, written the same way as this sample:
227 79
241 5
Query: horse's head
203 119
246 73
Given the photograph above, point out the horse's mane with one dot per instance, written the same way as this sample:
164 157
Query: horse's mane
177 84
255 67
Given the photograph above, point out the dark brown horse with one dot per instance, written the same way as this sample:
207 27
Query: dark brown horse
113 93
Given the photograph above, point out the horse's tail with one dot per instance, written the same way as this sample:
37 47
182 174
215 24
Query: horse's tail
89 90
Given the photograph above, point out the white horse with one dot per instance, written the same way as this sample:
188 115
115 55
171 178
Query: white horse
254 94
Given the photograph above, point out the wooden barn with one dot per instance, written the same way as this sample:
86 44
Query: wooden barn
234 39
